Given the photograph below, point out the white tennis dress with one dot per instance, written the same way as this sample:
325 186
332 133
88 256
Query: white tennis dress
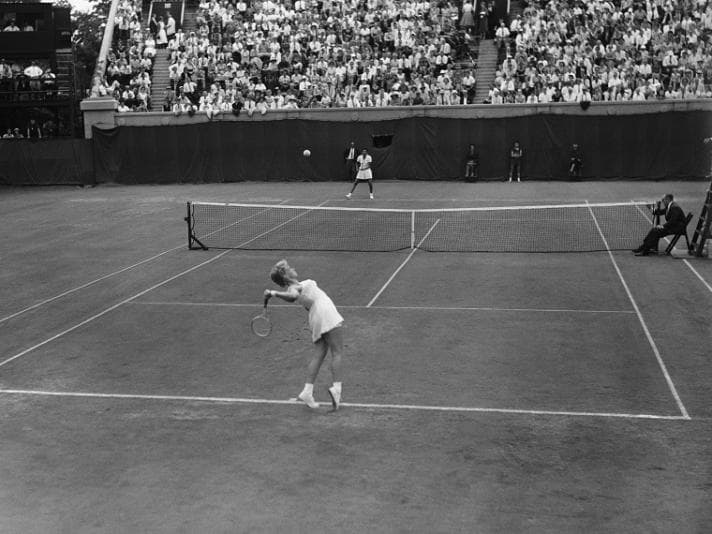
364 167
323 315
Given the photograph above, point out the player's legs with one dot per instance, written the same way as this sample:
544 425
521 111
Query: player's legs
307 394
353 188
370 188
335 341
321 349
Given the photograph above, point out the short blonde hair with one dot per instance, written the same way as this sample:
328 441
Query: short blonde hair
278 271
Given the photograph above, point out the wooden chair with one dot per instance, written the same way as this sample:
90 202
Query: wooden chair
677 236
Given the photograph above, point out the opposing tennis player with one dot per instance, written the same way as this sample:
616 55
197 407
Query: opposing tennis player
364 174
325 324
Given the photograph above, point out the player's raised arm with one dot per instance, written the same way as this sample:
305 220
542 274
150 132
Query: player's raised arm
290 294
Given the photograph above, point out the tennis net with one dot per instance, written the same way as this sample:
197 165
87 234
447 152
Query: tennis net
549 228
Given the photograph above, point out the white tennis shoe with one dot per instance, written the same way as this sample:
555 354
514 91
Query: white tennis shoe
371 195
335 397
348 195
308 399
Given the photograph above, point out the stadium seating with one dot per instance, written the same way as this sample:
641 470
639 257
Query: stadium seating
255 57
274 55
130 61
559 51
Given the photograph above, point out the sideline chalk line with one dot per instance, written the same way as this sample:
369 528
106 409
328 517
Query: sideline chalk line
137 295
101 278
685 261
643 324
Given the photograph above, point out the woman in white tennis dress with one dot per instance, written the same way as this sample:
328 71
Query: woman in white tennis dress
324 322
364 174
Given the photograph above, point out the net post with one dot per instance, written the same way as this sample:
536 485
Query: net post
191 238
412 230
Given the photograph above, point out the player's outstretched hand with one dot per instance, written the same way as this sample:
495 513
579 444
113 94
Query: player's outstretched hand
267 296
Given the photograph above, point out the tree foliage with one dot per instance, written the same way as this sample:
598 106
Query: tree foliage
88 32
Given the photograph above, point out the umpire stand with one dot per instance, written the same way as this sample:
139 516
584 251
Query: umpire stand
702 230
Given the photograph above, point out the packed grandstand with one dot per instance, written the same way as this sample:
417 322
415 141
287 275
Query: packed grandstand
237 56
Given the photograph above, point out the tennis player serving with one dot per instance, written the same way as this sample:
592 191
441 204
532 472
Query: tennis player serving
324 322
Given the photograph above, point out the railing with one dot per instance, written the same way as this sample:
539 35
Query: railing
477 111
37 95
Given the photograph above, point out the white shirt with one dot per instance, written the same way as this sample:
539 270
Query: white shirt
364 162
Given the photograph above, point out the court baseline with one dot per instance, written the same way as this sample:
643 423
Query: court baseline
402 407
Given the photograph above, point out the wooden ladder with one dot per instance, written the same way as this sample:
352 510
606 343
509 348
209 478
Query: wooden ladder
702 230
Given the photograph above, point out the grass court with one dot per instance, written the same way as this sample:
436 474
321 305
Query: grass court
483 392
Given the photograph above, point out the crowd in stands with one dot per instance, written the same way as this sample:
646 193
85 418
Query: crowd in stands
605 50
26 80
261 55
282 55
129 64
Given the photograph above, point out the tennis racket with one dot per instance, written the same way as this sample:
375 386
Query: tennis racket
261 324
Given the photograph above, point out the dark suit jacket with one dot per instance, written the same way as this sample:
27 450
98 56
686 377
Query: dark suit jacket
674 218
356 153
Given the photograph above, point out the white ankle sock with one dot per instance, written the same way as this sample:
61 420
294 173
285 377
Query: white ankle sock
337 387
308 389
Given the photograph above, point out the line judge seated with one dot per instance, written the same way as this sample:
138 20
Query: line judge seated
674 223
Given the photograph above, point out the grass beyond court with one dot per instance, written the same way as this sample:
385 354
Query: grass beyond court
482 392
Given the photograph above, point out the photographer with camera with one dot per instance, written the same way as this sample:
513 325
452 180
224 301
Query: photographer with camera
674 223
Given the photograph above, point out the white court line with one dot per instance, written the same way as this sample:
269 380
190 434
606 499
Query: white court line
659 358
106 276
402 265
111 308
697 274
372 406
350 307
78 288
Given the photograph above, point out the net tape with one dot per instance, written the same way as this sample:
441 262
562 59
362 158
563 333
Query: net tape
536 228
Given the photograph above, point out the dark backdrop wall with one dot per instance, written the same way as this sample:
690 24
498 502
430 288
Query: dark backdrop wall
46 162
662 145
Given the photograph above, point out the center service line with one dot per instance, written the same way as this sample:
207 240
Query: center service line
402 265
